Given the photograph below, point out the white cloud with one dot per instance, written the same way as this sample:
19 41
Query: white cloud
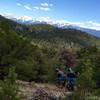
37 8
87 24
93 27
77 23
65 22
93 23
44 9
96 24
25 18
44 4
18 4
47 19
27 7
9 15
41 8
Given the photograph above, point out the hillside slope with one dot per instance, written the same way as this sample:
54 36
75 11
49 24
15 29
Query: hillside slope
52 35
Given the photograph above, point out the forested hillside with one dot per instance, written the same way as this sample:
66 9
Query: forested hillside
34 52
52 36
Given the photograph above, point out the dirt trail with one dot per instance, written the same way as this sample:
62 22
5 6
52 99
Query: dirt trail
27 90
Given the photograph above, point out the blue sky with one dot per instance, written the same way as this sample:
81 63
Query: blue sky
85 13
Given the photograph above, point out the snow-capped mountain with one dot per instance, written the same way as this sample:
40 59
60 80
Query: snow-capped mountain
60 24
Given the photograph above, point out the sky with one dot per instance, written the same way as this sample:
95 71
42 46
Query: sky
84 13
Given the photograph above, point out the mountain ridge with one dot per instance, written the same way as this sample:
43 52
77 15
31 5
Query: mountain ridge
29 20
51 34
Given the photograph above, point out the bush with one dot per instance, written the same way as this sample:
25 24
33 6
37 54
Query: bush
8 87
85 82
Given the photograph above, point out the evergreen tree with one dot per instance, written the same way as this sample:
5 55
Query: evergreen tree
8 87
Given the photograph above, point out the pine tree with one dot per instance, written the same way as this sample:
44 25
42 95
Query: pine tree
9 88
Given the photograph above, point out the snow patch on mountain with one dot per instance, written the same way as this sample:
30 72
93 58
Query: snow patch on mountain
86 26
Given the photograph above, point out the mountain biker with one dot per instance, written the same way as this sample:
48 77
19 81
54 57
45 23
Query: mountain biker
71 77
61 78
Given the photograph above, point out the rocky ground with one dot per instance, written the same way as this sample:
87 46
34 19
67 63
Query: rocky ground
37 91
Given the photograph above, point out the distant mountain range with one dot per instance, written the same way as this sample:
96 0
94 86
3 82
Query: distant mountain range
57 35
24 20
64 26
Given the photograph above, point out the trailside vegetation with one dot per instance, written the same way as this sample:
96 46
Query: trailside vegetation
36 51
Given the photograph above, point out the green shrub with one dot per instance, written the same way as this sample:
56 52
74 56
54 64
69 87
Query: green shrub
8 87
